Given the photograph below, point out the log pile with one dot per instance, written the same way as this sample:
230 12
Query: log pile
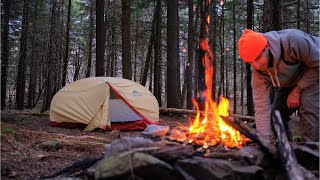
163 153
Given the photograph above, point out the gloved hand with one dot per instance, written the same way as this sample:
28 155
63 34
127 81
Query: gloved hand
293 101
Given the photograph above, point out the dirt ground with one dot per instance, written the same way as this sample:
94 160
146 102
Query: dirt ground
24 138
24 154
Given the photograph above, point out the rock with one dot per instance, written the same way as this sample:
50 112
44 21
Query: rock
172 153
252 155
134 166
156 130
126 144
50 145
206 168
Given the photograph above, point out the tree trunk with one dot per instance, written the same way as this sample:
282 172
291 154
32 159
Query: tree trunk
4 51
21 76
201 71
178 63
307 17
77 65
235 99
189 67
298 14
172 54
271 19
149 53
242 87
113 52
135 52
66 56
250 108
100 38
126 40
221 90
48 73
196 56
91 26
34 60
157 53
150 77
214 50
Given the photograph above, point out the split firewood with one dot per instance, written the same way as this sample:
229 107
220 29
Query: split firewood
194 112
293 169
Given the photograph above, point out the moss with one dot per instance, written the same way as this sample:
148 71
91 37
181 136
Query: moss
12 132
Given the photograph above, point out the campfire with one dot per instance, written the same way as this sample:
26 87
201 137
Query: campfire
211 129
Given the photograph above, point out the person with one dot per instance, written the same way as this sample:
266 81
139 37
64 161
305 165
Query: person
288 60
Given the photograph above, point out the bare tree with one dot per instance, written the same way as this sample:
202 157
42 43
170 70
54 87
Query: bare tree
90 37
250 108
4 50
144 77
271 19
21 76
172 54
189 68
126 41
157 54
66 56
100 38
298 14
34 60
51 67
213 41
235 99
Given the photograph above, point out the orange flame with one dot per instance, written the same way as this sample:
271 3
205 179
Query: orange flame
211 129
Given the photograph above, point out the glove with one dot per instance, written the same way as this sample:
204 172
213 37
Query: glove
293 100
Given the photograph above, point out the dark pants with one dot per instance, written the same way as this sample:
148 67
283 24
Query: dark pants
309 111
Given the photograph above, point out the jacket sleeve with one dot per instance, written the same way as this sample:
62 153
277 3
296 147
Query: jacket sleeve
261 96
306 49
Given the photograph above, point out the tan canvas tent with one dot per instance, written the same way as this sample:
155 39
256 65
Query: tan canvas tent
106 103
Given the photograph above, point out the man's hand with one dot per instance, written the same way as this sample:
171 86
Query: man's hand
293 101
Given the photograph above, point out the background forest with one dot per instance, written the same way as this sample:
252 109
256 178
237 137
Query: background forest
46 44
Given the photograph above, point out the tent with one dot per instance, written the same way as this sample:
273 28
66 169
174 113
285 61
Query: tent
105 103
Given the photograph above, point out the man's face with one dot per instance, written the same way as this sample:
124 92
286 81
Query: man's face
262 61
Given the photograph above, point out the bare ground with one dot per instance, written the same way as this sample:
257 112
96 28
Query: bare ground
23 135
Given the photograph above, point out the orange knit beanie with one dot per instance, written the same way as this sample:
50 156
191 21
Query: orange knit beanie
250 45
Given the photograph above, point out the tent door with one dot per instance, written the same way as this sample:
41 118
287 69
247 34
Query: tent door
120 112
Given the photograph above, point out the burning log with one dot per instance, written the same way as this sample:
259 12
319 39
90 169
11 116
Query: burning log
293 169
250 133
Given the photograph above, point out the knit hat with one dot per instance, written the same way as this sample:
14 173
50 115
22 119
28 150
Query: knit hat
250 45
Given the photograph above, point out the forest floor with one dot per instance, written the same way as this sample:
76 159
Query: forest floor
26 155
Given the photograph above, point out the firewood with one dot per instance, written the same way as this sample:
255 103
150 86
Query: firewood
81 165
249 132
293 169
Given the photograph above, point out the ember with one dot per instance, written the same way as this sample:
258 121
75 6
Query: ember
212 129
